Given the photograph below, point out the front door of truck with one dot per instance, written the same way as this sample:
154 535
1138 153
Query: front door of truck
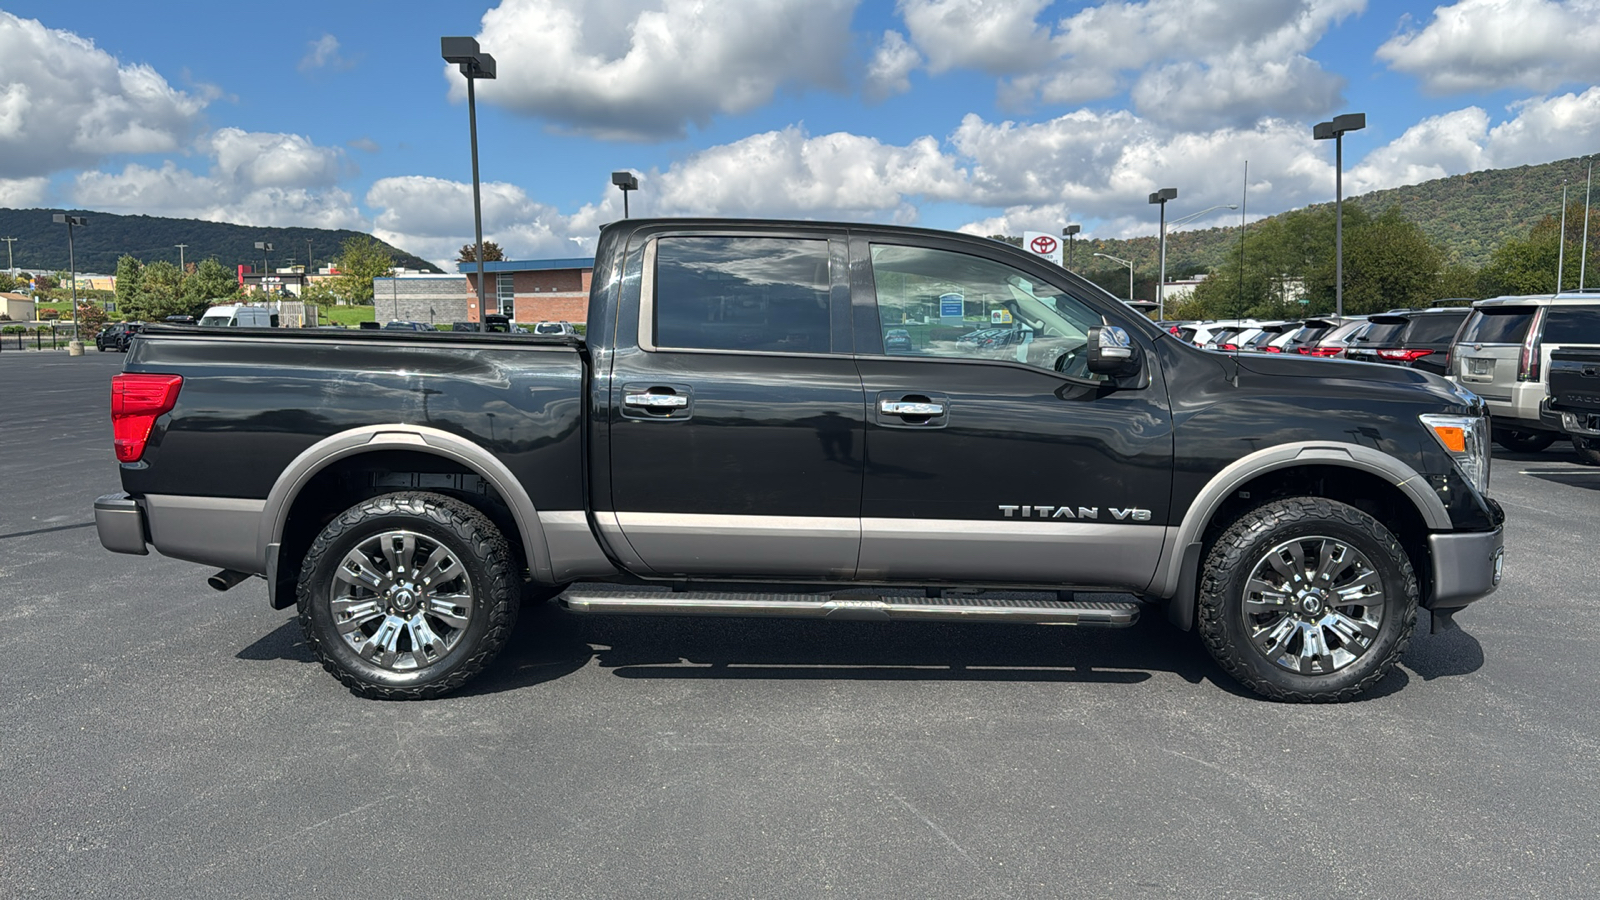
992 453
737 422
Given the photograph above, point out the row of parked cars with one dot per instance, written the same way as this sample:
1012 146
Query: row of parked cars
1534 359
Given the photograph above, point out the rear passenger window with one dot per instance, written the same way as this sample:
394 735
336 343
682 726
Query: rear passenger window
1505 325
1572 325
733 293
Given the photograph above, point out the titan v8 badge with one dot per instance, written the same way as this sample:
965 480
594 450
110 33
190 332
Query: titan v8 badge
1132 514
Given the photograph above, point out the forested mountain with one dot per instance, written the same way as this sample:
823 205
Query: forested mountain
1468 216
42 244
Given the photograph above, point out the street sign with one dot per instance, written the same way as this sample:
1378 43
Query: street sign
951 306
1041 244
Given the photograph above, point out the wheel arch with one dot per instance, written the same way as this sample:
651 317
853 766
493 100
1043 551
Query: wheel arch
1382 477
370 439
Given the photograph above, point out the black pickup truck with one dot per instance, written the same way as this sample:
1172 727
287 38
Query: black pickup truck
1574 402
734 436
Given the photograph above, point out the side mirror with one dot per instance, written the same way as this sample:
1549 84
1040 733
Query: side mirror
1112 352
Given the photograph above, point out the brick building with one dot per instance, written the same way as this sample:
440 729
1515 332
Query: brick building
532 290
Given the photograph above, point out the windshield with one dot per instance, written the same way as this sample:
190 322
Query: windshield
1498 325
216 320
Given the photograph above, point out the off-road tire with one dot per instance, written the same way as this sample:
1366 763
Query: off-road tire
1588 449
1228 565
1523 441
483 553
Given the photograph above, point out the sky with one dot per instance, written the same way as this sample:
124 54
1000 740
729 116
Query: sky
985 116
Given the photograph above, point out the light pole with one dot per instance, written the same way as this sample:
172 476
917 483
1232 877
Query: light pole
76 347
180 255
474 64
310 269
266 262
10 265
1069 233
1323 131
1160 197
1127 263
627 181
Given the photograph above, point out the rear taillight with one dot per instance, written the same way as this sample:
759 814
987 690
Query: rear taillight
1528 359
1228 347
1404 355
1271 349
137 400
1324 352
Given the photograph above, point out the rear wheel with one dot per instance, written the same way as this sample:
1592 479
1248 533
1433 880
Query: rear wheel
1588 449
1307 599
408 596
1523 441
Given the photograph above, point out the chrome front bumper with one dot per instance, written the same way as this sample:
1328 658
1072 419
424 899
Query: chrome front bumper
1466 567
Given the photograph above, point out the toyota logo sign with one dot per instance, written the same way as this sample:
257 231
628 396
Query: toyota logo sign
1044 245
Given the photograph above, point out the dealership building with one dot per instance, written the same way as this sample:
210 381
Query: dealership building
532 290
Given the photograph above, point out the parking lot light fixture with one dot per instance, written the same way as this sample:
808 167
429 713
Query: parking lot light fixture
1334 130
1127 263
1070 233
75 348
266 260
626 181
474 64
1160 198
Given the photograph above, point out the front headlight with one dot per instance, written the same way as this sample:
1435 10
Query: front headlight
1466 439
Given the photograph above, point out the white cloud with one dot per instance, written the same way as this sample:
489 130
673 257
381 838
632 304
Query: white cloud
256 178
889 73
323 53
432 217
647 69
64 103
1479 45
1463 141
1000 37
22 193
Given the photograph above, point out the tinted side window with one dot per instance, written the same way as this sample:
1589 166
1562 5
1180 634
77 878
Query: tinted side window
1434 329
1382 332
1572 325
1498 325
729 293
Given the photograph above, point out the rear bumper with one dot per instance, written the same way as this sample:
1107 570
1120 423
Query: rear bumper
1582 423
119 519
1466 567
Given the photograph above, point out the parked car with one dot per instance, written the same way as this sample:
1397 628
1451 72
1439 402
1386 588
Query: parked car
239 316
1574 404
734 419
117 336
1503 355
179 320
897 340
1424 341
1381 332
559 329
399 325
1332 343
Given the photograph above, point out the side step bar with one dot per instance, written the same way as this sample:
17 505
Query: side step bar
853 606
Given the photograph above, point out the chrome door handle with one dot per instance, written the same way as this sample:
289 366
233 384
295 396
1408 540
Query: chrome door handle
905 408
656 401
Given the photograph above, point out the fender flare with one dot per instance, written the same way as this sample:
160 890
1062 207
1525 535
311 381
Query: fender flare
1176 576
416 438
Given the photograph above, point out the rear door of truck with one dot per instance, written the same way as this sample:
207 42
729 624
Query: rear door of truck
736 414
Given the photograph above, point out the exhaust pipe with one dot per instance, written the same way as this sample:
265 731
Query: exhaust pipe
226 579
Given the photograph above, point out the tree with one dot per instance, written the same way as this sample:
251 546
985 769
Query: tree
161 292
491 253
90 317
362 259
1388 262
7 283
45 282
210 283
130 283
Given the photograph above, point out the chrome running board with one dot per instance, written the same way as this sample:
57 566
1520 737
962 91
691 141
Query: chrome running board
852 606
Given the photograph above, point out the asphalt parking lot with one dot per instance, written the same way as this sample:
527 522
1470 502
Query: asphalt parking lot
158 739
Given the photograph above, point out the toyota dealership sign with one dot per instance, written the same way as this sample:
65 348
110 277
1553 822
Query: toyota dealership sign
1042 244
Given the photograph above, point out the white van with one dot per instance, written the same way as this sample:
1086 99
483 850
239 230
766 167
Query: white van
239 316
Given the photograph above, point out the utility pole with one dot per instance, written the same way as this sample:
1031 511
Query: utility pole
10 266
180 256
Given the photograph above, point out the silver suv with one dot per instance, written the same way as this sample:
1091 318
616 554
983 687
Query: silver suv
1502 354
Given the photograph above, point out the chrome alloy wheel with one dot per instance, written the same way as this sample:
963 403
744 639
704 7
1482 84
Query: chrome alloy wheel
401 600
1313 605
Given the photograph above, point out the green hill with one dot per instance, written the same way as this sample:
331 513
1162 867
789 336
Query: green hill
1468 215
42 244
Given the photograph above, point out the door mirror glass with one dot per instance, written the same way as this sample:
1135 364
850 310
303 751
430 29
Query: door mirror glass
1112 351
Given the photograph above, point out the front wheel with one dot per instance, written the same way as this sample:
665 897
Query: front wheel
408 596
1588 449
1523 441
1307 599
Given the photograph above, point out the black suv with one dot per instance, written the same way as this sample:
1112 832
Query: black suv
117 336
1422 342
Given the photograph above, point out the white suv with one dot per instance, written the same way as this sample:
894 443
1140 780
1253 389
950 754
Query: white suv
1502 354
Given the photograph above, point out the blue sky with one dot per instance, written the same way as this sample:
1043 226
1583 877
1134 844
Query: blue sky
979 115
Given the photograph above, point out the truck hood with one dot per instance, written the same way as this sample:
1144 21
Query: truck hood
1296 366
